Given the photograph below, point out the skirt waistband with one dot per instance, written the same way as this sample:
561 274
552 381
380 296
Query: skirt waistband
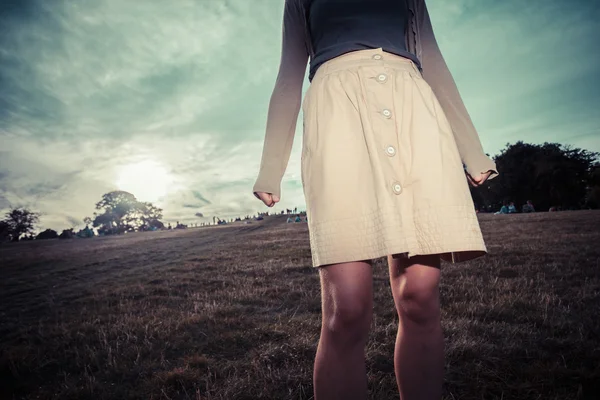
370 57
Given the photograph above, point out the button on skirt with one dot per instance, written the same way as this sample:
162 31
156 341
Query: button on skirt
381 171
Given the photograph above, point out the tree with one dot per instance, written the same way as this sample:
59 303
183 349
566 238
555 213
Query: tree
549 174
116 205
150 216
592 198
47 234
67 234
4 232
19 222
124 213
105 222
144 216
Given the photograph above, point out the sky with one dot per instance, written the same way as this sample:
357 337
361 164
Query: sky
168 100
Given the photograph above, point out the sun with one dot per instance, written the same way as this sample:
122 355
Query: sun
146 180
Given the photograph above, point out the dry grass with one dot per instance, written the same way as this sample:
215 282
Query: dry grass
233 312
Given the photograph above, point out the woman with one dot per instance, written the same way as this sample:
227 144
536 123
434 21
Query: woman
386 145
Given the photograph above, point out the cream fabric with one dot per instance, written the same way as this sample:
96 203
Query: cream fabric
381 170
285 101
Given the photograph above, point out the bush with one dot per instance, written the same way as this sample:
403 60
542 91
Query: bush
47 234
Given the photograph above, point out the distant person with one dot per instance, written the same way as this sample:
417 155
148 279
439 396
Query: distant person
503 209
298 219
528 207
511 208
372 64
289 220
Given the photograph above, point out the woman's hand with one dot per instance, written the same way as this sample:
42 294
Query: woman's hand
478 180
268 198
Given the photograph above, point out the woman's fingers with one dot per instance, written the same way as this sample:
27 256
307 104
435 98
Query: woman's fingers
268 199
470 179
479 179
483 177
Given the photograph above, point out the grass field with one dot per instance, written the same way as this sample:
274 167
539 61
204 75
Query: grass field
233 312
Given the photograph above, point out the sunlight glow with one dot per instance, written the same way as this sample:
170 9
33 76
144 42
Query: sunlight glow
146 180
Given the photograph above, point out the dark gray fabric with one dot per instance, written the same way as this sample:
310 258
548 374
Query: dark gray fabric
341 26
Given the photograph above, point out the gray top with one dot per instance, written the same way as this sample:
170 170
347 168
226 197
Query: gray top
341 26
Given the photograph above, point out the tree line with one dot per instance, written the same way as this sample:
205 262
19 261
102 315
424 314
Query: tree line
548 174
118 212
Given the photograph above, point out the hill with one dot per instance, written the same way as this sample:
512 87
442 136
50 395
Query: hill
233 312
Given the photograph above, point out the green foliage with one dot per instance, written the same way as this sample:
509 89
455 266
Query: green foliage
124 213
4 231
592 198
18 222
67 234
47 234
549 175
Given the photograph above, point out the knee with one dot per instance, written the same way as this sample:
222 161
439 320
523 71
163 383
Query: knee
419 304
350 321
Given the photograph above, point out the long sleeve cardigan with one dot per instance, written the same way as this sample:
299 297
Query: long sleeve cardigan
286 99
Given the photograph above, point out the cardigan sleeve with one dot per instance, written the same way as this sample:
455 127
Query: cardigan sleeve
285 102
438 76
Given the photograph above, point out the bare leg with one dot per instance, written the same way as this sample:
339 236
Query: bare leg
347 308
419 353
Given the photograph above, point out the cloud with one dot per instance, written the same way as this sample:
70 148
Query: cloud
522 63
89 88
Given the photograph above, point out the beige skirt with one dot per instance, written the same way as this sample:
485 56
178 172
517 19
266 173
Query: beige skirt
381 171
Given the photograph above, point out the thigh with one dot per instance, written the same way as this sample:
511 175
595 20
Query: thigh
347 288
